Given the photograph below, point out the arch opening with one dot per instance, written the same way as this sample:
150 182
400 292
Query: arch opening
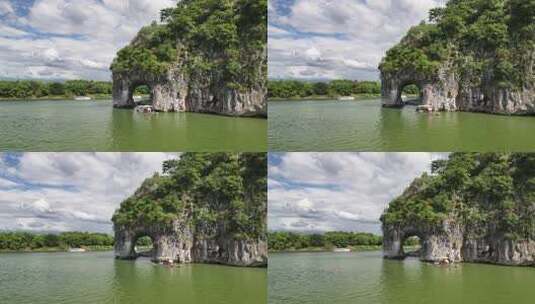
144 246
410 93
140 94
411 246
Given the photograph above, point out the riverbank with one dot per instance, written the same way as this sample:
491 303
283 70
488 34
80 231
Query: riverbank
329 249
56 97
57 249
323 97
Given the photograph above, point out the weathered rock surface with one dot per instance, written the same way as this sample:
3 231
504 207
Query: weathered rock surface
447 91
449 243
177 90
441 243
178 243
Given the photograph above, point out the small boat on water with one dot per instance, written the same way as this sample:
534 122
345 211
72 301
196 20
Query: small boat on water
77 250
82 98
344 98
341 250
144 109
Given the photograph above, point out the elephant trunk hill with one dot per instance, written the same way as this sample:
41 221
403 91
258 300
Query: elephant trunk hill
206 208
472 208
204 56
476 56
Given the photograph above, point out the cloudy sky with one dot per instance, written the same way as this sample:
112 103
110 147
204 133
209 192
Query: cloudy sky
330 39
69 191
68 39
317 192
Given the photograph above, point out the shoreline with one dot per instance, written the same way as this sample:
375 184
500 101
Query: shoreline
360 248
323 97
49 98
58 249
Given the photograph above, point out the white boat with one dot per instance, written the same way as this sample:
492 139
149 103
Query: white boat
343 98
137 98
341 250
77 250
82 98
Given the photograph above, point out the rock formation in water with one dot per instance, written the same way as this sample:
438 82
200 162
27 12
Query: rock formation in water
474 56
205 56
472 208
206 208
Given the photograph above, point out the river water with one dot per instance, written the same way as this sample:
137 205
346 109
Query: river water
365 277
99 278
67 125
363 125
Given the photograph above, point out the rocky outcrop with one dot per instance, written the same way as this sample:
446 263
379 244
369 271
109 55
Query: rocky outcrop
449 242
438 92
174 91
440 243
499 250
445 92
179 243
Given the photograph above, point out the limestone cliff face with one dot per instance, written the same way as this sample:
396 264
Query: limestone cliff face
460 213
461 63
447 242
204 208
438 92
441 242
175 91
189 65
180 243
447 91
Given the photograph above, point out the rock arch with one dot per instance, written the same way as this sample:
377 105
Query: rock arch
170 244
177 243
168 91
440 243
439 92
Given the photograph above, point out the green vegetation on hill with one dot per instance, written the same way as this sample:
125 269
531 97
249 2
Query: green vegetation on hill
489 193
20 241
280 241
207 189
222 39
489 39
296 88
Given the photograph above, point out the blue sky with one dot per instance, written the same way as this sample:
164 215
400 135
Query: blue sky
68 39
317 192
329 39
69 191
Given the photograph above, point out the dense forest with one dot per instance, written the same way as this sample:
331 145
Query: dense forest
220 39
18 241
279 241
488 193
208 191
334 88
489 41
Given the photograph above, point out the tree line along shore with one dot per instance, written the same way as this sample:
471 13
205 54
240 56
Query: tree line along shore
37 89
30 242
283 241
296 89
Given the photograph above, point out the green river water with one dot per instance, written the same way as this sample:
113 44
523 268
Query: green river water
363 125
365 277
66 125
99 278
